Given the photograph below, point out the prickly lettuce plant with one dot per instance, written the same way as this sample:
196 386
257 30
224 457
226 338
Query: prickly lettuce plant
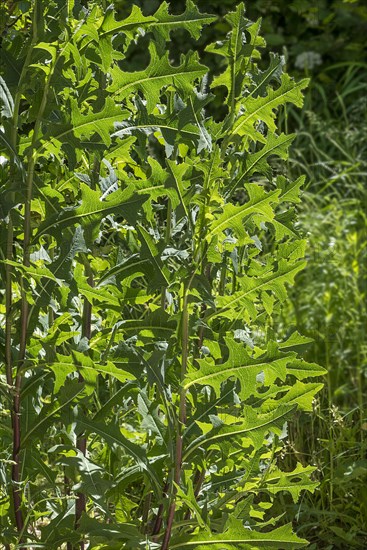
144 250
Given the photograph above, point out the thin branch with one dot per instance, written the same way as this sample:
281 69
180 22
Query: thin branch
182 414
81 444
15 413
159 518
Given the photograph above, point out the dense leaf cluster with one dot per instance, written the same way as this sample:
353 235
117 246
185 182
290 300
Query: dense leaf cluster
144 250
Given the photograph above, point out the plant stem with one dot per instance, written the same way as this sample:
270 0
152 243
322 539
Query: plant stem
223 275
182 414
176 478
15 413
81 444
159 518
331 432
24 305
15 474
15 419
8 305
145 513
69 546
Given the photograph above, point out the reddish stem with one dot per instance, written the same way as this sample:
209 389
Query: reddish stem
81 501
159 518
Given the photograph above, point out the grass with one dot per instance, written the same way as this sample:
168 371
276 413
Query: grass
329 304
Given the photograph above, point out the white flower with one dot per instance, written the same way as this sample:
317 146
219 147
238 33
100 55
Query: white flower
308 60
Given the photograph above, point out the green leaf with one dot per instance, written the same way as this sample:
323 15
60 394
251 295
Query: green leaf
112 533
6 100
150 417
158 74
293 482
252 425
129 26
238 54
112 436
290 192
238 536
272 72
83 126
34 272
154 325
299 394
150 250
76 361
261 108
7 147
191 19
302 369
102 122
232 217
240 365
258 162
106 297
132 266
295 340
49 412
271 280
92 210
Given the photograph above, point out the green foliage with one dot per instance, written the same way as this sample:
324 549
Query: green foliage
314 35
146 249
335 436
